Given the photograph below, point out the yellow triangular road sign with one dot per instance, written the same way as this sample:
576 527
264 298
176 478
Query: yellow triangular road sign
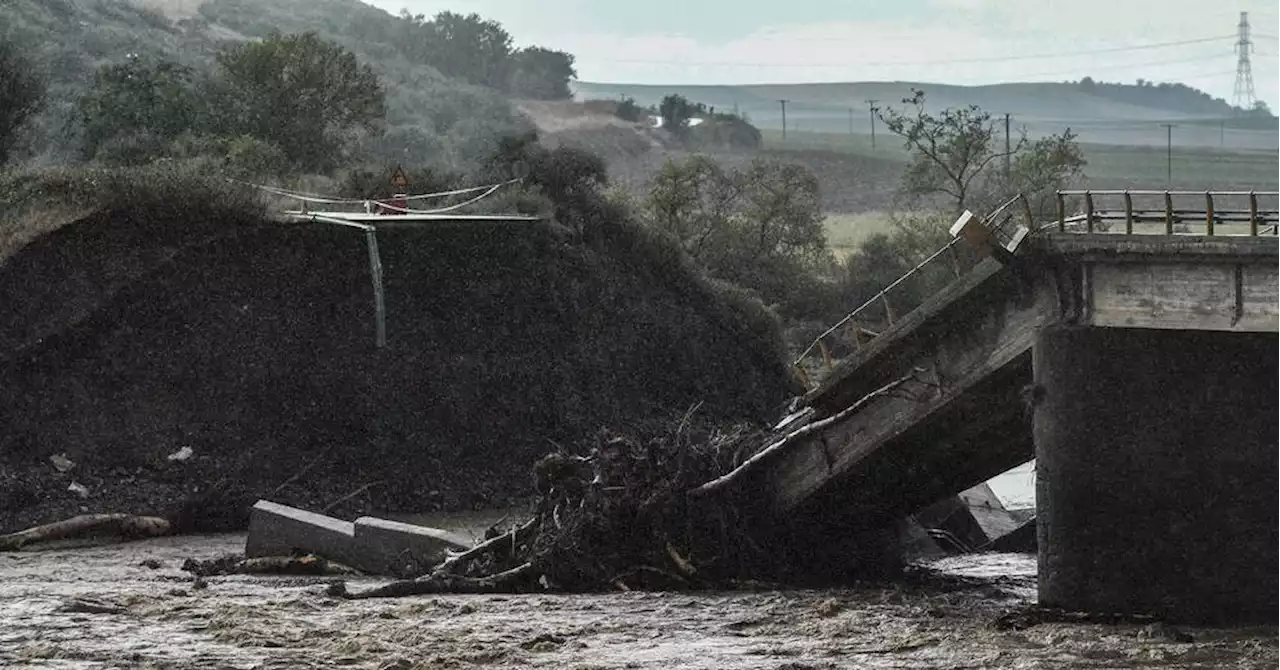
399 179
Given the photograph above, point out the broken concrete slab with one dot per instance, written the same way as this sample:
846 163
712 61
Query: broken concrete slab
368 544
967 520
279 530
1021 540
392 547
987 510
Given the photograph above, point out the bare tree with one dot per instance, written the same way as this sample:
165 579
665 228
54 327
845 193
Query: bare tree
953 155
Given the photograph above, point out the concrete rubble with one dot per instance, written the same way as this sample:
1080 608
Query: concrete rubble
966 522
369 544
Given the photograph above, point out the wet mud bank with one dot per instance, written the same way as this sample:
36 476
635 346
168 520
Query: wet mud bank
186 368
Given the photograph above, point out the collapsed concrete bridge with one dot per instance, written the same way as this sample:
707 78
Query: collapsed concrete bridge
1137 366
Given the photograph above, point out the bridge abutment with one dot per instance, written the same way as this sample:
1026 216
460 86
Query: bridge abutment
1156 464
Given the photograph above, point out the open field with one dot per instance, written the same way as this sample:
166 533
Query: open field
1110 165
846 232
1040 107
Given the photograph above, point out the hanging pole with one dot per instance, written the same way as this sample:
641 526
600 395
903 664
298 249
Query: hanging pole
375 272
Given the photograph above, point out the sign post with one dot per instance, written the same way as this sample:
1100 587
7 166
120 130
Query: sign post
400 187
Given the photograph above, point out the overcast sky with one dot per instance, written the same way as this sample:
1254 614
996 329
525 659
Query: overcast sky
783 41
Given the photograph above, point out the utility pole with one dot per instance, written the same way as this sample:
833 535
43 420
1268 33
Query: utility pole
1168 153
784 119
871 110
1244 96
851 121
1008 151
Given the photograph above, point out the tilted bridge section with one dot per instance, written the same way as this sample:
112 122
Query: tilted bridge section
995 367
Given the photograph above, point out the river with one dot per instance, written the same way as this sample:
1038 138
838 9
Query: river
159 618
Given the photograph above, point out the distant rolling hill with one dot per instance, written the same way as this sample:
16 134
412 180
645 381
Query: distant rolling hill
1104 115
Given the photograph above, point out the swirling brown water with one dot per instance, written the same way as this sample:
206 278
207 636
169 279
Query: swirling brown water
280 622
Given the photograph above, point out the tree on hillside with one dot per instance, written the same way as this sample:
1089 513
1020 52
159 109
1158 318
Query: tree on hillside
465 47
542 74
21 94
1043 167
304 94
949 152
958 156
693 201
759 227
134 108
676 110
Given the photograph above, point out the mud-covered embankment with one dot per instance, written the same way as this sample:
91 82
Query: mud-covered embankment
125 338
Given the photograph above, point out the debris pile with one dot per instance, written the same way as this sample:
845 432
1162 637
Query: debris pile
616 515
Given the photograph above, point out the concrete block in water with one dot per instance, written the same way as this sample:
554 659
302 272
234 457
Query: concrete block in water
392 547
279 530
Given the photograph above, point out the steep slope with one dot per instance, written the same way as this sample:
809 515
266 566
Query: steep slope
251 343
635 151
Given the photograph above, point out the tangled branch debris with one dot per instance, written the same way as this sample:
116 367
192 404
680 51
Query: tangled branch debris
626 513
614 515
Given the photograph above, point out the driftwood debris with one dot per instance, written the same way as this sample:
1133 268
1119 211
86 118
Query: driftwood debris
306 564
84 606
125 526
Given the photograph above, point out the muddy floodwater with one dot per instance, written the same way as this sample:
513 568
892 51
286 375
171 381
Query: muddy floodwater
158 617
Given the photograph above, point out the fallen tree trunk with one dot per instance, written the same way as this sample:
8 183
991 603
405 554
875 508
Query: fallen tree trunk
308 564
507 581
795 435
127 526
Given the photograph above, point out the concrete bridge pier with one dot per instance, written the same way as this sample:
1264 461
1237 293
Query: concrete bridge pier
1156 464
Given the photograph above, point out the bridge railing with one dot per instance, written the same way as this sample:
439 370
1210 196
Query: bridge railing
888 305
1138 212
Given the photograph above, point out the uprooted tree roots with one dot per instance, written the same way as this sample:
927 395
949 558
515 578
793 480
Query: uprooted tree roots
631 513
616 517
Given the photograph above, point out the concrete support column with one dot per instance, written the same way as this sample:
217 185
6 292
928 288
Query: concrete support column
1156 472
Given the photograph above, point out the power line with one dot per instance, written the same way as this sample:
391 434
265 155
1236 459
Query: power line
985 59
1125 66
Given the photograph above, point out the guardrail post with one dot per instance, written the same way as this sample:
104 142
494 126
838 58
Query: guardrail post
856 334
1208 213
1088 211
1168 213
1253 214
1128 213
1026 210
826 355
888 309
1062 212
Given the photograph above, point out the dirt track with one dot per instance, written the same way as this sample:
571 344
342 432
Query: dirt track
164 621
